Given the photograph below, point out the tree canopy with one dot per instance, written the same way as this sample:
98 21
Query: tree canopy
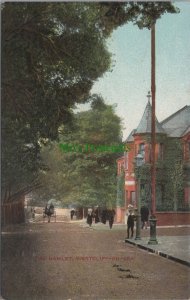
88 177
52 53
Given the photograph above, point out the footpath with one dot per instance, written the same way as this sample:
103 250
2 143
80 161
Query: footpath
176 248
173 241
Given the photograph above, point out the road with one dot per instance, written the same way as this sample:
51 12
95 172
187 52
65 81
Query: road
58 261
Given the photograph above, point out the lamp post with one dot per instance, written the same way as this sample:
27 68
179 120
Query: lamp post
139 160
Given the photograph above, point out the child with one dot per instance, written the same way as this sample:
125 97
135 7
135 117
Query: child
130 224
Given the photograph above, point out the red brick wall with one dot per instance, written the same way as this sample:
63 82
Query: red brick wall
163 218
172 218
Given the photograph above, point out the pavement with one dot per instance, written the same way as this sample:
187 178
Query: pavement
176 248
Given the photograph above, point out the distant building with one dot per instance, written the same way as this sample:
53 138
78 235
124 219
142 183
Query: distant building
172 163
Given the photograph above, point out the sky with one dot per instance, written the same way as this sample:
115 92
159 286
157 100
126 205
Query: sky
129 82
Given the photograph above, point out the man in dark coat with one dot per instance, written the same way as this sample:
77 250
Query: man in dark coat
72 213
96 216
111 215
89 216
104 216
144 216
130 224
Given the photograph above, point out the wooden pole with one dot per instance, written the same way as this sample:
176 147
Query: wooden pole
153 133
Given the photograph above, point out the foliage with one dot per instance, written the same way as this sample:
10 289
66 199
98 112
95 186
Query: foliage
142 14
174 172
169 176
52 53
86 178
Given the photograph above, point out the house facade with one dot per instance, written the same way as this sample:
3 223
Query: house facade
172 167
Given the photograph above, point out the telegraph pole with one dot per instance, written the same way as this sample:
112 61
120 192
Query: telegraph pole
153 131
152 219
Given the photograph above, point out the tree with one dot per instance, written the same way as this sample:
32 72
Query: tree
52 53
85 177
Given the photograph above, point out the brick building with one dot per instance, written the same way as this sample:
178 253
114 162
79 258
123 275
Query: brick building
172 167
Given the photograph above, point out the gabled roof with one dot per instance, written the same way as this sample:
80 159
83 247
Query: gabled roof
187 130
130 138
145 122
177 124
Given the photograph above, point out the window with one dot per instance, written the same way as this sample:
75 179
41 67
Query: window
133 198
142 149
120 167
142 189
186 150
161 151
125 160
126 198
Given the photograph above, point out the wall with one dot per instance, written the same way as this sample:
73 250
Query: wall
163 218
172 218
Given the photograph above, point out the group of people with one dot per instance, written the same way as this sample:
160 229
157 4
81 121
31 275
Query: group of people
100 216
132 218
105 215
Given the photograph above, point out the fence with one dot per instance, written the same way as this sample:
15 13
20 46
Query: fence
12 212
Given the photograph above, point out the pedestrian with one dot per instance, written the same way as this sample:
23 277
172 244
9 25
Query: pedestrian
89 217
111 215
96 216
130 224
144 216
104 216
49 210
72 213
129 208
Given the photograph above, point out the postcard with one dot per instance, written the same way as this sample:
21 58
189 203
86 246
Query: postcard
95 150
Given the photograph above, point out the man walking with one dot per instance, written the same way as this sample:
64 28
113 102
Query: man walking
144 216
130 224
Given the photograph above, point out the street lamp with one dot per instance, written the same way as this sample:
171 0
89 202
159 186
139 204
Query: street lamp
139 161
